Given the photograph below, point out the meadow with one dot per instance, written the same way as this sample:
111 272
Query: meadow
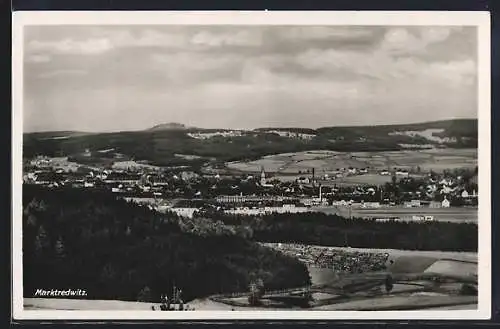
329 162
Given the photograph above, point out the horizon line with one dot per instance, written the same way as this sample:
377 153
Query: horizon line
188 127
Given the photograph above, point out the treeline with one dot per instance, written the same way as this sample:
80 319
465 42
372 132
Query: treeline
119 250
160 147
336 231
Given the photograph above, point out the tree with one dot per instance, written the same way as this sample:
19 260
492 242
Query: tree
388 283
108 272
468 290
144 295
41 241
31 221
59 248
255 293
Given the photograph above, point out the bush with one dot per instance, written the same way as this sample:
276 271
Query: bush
145 295
468 290
336 231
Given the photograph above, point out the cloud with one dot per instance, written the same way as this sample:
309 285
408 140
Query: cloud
147 37
325 32
102 40
414 41
59 73
455 73
227 76
197 62
38 58
71 47
237 38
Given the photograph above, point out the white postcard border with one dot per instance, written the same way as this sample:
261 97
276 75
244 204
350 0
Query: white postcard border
403 18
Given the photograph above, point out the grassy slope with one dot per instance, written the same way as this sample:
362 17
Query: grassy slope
157 145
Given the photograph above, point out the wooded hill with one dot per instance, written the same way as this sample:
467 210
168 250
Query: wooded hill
160 144
118 250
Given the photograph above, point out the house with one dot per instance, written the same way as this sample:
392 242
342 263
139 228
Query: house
402 173
415 203
445 203
44 178
120 177
303 180
445 182
363 171
371 205
465 194
159 181
188 175
385 173
352 171
431 188
343 203
446 190
184 212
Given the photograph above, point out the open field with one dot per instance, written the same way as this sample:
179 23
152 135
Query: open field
82 304
401 303
440 214
447 267
383 303
366 294
394 253
370 179
409 261
326 162
365 291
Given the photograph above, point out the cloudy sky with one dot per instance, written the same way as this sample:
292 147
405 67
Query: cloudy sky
110 78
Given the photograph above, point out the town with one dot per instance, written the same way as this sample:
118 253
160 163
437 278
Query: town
187 192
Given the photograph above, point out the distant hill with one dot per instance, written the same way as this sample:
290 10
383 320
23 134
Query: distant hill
169 126
455 127
160 143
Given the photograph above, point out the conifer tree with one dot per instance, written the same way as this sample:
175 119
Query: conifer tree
41 241
59 248
144 295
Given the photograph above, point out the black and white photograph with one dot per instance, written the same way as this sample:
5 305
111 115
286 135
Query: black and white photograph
251 165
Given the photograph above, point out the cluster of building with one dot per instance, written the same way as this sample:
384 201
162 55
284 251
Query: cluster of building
339 173
222 133
238 133
429 134
291 134
340 261
248 195
286 208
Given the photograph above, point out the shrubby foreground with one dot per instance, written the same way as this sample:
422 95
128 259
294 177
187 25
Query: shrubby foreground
118 250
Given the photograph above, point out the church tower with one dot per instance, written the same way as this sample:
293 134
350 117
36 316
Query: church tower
262 176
